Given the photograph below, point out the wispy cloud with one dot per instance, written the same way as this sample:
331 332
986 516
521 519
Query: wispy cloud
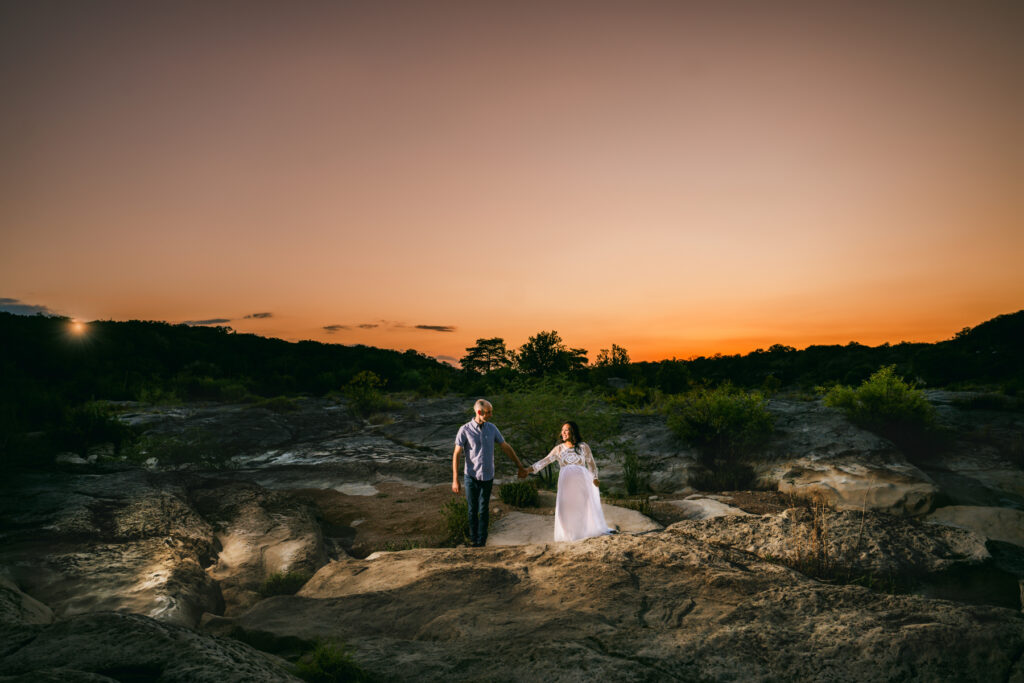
367 326
331 329
259 315
21 308
436 328
211 321
446 359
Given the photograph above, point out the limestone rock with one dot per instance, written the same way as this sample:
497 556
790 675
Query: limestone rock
877 543
1000 524
18 608
856 483
121 540
259 533
704 507
658 606
111 646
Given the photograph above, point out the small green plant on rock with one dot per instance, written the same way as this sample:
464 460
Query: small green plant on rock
283 583
631 476
330 662
519 494
456 520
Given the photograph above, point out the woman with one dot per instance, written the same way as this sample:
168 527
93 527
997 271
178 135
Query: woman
578 512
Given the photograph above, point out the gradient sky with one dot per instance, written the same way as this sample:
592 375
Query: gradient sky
677 178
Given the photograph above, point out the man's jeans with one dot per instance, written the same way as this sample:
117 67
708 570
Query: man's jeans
478 498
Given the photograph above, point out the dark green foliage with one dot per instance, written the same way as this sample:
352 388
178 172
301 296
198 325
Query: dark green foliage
195 448
330 663
887 405
519 494
91 424
366 396
631 476
618 357
456 521
283 583
884 403
46 372
546 354
532 413
725 424
487 356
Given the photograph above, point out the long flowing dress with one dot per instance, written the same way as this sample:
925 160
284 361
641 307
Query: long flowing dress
578 512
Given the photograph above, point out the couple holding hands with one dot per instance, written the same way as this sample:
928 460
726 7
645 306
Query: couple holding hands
578 512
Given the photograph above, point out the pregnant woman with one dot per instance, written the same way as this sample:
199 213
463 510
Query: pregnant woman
578 512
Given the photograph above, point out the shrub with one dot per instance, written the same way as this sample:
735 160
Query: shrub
193 446
365 394
90 424
330 663
456 519
631 472
725 424
519 494
283 583
885 404
532 415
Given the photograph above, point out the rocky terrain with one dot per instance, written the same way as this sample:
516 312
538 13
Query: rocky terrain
903 570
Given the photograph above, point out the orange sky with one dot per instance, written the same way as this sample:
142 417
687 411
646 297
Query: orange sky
676 178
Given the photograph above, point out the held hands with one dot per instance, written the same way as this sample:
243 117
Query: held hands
597 483
523 472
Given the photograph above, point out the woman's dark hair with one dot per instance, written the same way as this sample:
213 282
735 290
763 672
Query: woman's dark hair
574 434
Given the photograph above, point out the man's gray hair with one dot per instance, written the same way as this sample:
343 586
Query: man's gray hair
482 403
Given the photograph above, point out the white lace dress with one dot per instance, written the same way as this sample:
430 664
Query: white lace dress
578 512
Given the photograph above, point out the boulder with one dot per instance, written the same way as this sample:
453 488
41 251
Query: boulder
856 483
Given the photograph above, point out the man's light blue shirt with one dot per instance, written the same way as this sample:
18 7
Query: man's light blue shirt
477 441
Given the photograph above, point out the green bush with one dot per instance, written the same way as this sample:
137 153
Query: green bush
283 583
885 404
725 424
456 520
365 395
631 476
519 494
531 416
194 446
90 424
330 663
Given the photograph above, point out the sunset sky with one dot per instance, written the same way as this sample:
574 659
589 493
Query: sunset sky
677 178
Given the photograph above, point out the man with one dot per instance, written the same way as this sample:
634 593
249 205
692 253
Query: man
477 438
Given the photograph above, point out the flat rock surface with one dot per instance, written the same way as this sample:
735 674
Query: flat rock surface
999 524
109 646
660 606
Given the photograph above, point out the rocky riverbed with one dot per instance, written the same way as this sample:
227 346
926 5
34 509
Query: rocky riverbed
907 568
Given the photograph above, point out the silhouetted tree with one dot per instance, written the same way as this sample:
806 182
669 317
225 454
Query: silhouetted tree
487 356
545 353
617 357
